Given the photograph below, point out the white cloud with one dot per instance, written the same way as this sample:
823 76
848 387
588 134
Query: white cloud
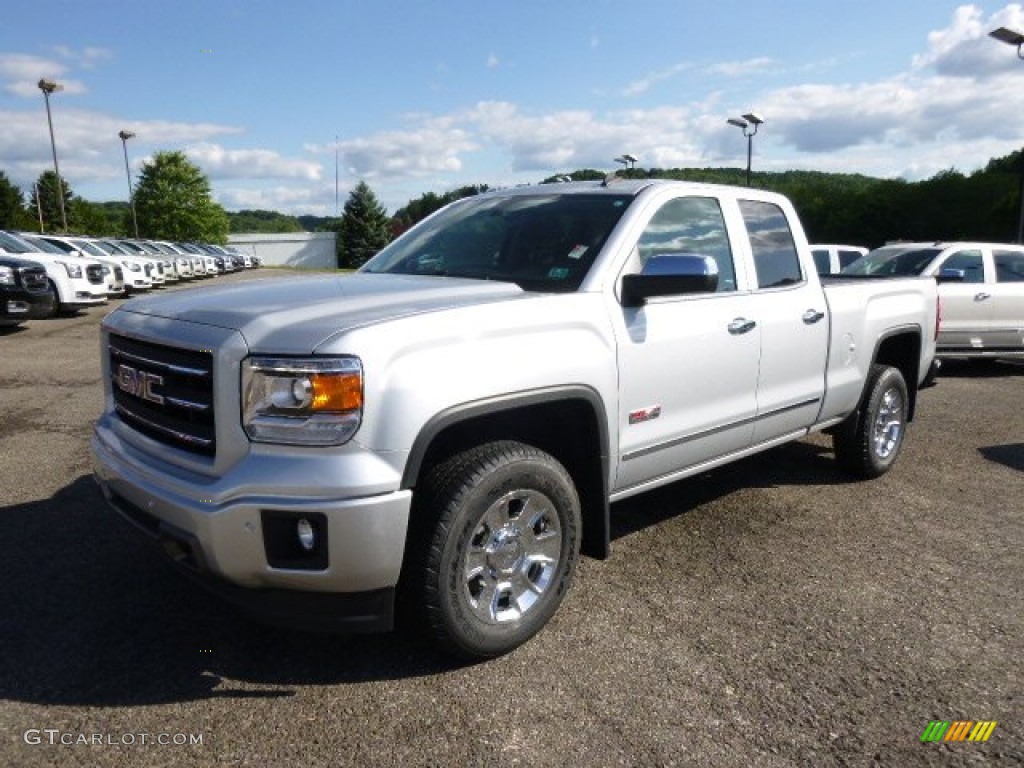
316 200
492 61
86 58
221 163
741 68
964 49
430 145
644 84
20 74
559 141
88 146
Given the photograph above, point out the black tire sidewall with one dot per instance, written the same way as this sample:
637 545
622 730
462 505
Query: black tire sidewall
886 379
530 471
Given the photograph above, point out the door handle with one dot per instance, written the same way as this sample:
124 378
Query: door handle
812 316
741 325
982 296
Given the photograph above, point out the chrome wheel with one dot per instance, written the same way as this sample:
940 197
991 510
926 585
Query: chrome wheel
888 426
501 526
513 556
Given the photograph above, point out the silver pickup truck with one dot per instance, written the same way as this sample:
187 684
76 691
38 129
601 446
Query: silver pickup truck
450 424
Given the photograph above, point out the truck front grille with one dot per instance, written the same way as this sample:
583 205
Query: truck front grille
33 279
95 274
164 392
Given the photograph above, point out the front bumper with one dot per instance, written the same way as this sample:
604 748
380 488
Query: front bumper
16 306
215 530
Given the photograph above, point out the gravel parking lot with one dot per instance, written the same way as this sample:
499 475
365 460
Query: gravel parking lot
766 614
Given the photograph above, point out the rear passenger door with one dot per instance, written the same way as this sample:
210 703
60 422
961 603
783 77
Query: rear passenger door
1007 301
790 310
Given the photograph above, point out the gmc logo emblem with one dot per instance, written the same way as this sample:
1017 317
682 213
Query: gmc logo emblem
139 383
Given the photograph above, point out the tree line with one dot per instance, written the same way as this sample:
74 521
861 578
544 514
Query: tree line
173 201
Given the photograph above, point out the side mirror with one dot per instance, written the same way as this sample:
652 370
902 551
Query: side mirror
950 275
671 274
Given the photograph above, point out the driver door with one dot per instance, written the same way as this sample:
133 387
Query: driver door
688 364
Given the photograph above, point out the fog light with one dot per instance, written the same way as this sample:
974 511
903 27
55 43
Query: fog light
306 533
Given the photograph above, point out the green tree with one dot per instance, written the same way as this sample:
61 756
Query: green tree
263 221
173 201
87 218
12 205
364 228
44 195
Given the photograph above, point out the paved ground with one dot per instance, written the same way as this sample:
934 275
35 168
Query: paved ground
766 614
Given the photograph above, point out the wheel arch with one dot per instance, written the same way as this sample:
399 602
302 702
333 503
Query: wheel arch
568 422
901 348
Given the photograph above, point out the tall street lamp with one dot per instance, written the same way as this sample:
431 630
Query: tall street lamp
1016 39
745 123
48 87
125 135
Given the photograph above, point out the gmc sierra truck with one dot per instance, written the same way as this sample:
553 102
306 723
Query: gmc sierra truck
441 433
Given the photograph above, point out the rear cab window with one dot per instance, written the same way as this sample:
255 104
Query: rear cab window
776 261
1009 266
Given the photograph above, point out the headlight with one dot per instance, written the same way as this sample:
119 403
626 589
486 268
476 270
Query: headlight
6 276
309 401
132 266
73 270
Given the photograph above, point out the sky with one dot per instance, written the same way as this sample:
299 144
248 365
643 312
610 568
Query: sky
286 106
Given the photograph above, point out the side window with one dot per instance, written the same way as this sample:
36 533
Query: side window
1009 266
821 260
846 258
691 225
775 257
968 262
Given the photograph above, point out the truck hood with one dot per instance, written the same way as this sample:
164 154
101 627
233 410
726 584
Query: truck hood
294 315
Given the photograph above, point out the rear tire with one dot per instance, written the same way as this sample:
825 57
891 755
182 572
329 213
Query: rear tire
868 442
495 547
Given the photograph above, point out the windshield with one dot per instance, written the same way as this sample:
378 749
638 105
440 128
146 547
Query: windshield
542 242
41 244
893 260
12 244
111 248
87 247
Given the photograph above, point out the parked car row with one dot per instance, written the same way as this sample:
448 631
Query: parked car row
42 275
981 287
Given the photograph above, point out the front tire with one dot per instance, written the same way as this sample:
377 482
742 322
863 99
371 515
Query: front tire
500 539
51 291
867 443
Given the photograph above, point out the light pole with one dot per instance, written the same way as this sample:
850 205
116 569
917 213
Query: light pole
745 123
48 87
628 161
125 135
1016 39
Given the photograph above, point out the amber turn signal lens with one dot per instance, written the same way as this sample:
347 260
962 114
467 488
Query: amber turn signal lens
333 392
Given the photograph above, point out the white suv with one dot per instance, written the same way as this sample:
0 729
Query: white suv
114 272
75 283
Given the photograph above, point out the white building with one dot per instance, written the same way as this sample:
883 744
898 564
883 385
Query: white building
306 250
